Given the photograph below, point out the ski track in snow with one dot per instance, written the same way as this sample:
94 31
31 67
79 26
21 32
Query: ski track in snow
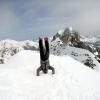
72 80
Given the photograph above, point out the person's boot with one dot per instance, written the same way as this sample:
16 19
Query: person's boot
46 39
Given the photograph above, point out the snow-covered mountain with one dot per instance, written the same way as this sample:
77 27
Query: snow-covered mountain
81 55
9 48
91 38
69 42
66 42
72 80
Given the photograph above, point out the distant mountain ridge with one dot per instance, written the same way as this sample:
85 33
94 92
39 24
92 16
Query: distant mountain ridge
66 42
9 48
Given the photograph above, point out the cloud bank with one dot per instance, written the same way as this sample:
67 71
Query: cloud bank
28 19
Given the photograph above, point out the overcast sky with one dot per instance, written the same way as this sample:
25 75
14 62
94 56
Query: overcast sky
29 19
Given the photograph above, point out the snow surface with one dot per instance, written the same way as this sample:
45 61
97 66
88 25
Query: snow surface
10 47
60 31
72 81
81 55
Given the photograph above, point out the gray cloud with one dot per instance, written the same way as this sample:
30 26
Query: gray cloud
41 17
87 22
8 19
83 15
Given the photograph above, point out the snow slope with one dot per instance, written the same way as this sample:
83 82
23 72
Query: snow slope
9 48
81 55
72 81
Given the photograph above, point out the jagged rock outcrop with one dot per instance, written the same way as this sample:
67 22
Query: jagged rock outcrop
72 38
59 48
89 62
67 36
98 50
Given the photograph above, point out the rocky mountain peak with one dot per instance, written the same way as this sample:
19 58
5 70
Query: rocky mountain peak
67 35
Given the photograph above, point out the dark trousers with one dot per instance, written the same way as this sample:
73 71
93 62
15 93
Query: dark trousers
44 53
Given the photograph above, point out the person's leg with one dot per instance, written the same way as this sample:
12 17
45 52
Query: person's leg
46 44
41 48
47 48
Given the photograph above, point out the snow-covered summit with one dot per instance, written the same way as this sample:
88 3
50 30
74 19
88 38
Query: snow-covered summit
67 29
72 80
61 31
66 35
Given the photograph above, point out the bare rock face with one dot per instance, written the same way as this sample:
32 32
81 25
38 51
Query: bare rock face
89 62
1 61
68 35
98 50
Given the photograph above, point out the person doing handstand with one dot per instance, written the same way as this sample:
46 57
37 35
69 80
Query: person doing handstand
44 57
